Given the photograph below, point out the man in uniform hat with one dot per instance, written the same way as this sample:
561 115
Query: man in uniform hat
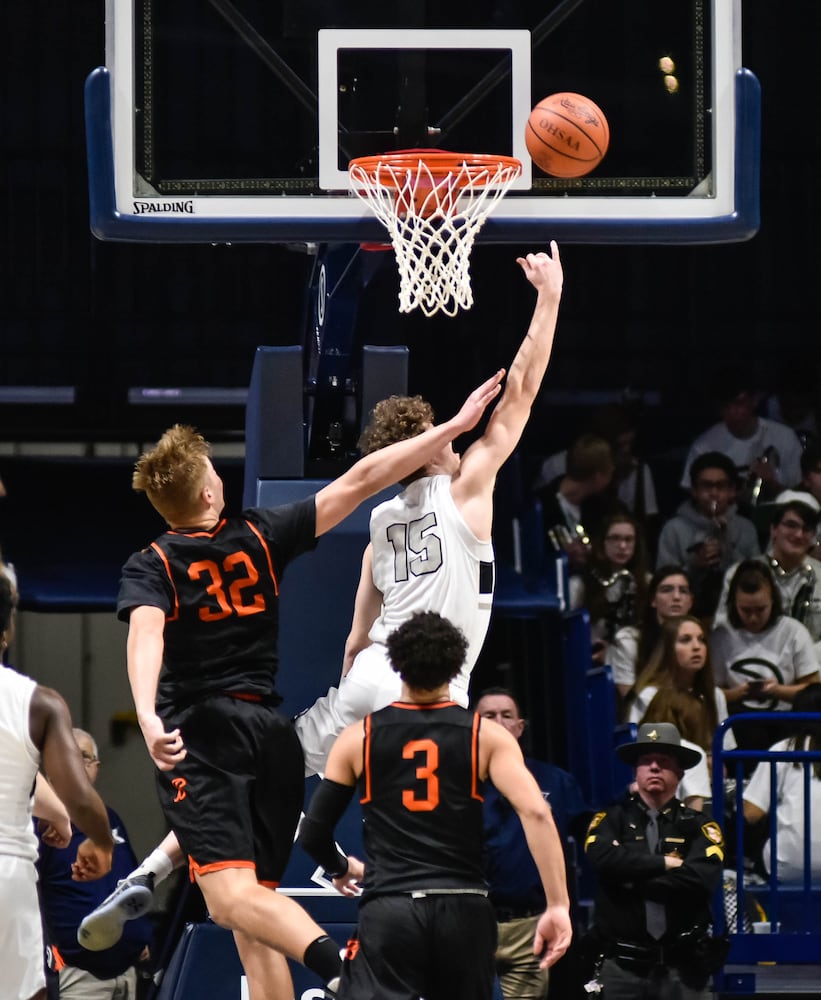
658 864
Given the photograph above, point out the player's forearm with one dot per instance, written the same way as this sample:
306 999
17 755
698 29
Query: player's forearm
88 813
47 804
546 849
530 364
316 831
144 654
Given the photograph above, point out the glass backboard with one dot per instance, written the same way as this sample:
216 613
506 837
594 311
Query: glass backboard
234 120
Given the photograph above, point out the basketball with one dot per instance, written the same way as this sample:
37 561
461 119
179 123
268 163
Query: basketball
567 135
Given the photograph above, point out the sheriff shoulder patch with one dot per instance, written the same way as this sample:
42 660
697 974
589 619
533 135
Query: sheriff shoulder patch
712 831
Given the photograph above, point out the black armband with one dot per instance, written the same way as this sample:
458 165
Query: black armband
316 831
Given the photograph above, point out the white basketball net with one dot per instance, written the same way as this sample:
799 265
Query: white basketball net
433 221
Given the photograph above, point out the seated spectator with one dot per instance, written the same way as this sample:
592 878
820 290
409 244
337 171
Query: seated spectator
515 888
790 795
680 660
706 535
794 520
811 482
685 711
613 587
669 596
632 481
573 504
108 974
762 657
765 453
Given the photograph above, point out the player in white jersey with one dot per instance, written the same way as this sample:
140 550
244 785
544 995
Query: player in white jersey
430 547
451 569
35 726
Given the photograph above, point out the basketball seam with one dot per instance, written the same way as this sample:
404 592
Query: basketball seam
570 121
563 150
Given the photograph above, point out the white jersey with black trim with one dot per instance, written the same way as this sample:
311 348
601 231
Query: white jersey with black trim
425 558
19 762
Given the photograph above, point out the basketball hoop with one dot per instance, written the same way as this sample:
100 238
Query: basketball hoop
433 203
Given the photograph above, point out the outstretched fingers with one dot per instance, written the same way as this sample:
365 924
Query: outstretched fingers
541 268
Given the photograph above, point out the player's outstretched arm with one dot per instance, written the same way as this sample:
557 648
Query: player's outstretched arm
389 465
486 456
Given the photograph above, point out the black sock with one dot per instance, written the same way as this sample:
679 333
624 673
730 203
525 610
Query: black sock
322 957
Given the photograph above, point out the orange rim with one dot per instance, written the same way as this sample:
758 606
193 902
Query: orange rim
439 162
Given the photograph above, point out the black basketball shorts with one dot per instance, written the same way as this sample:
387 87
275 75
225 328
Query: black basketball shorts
235 801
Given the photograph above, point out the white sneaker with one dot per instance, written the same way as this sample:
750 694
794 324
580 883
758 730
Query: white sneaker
103 927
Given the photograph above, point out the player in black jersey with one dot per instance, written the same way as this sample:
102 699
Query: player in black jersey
202 606
426 927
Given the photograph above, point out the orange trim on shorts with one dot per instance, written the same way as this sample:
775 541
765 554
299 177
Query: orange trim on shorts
57 960
216 866
268 885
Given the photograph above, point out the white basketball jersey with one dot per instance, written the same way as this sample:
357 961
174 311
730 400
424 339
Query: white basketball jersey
19 761
425 558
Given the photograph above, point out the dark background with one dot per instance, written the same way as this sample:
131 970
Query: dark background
103 317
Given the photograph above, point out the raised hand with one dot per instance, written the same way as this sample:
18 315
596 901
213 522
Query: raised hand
476 403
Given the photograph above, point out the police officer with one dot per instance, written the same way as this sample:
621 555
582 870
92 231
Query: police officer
658 864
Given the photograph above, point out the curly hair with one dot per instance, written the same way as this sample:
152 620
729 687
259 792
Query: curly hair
171 474
427 650
396 418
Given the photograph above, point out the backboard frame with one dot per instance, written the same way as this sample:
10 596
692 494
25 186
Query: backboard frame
730 214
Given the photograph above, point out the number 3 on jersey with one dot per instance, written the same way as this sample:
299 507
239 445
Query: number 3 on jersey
426 771
415 548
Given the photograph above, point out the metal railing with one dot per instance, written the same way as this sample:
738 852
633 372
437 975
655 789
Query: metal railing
797 939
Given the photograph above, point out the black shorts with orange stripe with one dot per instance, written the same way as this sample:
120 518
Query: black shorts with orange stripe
236 798
438 946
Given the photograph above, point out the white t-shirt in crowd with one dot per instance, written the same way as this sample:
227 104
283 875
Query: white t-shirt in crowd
790 814
783 652
743 451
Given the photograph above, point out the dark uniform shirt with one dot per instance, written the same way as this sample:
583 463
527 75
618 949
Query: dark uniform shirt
511 872
421 799
628 874
219 591
65 902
